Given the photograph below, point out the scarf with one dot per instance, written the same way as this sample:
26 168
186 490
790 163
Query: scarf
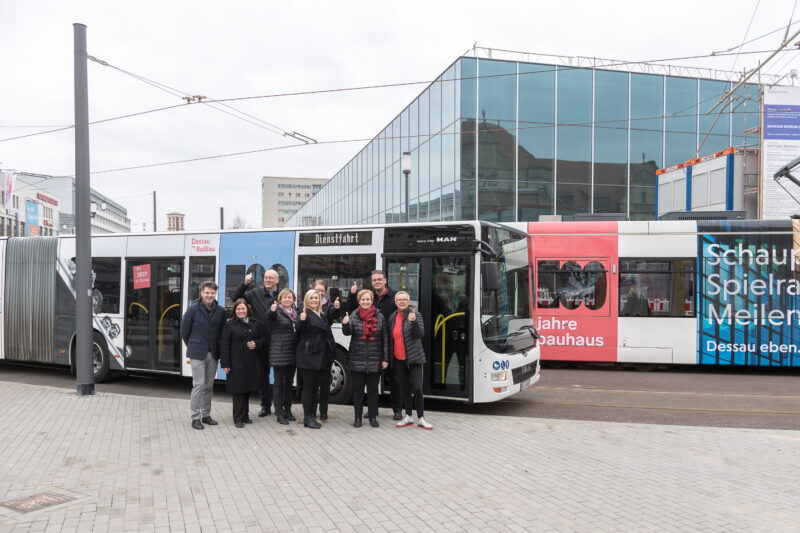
291 313
370 323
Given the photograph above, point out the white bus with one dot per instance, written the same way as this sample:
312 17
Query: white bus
470 281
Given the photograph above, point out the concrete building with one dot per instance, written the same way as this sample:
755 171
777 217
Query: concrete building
29 210
510 136
107 215
175 221
282 197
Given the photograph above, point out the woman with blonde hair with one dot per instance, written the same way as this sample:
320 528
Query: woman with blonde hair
368 355
314 346
282 316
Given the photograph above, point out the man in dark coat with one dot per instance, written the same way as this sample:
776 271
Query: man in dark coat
260 300
200 330
384 301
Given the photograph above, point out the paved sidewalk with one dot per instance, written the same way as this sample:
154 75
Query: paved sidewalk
133 463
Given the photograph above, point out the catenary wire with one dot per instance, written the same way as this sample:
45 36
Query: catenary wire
752 17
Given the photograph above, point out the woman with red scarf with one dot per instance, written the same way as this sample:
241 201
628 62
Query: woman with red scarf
368 355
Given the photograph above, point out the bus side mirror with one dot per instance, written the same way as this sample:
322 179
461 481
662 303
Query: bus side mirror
489 278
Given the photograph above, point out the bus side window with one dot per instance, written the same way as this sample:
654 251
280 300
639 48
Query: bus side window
106 276
201 269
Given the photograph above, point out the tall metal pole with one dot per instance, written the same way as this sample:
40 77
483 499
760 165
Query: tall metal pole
84 360
221 218
155 225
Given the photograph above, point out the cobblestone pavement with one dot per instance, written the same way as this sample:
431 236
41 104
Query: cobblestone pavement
130 463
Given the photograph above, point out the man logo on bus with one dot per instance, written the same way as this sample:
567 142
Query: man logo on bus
565 283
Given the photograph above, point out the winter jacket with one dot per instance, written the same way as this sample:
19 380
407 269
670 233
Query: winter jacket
260 301
235 354
412 338
282 338
201 328
366 355
314 342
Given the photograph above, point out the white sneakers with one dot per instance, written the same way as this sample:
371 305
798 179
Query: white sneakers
408 421
423 424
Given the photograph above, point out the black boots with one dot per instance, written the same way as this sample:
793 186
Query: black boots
373 421
357 422
311 422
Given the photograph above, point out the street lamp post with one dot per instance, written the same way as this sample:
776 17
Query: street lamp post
405 164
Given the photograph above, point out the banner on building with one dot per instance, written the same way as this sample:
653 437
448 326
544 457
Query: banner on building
31 218
9 178
781 144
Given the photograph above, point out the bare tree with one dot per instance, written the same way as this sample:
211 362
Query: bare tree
238 223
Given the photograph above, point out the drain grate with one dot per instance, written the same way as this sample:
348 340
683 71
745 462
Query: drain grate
36 502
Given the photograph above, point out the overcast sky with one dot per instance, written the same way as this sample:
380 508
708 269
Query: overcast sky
246 48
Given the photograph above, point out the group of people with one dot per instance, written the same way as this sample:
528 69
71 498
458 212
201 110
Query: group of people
268 329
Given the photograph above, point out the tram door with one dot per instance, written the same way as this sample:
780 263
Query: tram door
439 288
153 312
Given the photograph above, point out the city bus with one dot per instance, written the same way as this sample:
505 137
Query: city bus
668 292
469 280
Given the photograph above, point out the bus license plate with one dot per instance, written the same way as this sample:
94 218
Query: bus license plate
525 384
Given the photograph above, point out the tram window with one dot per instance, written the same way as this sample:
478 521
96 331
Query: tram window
657 287
567 284
106 274
201 269
338 271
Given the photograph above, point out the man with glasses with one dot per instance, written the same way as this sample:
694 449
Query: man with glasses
260 300
384 301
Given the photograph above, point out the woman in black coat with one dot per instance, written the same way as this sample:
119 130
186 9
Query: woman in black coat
407 357
368 355
313 353
282 345
241 344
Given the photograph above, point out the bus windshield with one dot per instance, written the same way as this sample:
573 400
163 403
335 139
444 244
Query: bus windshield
506 323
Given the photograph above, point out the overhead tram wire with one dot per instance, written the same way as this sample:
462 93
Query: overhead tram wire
238 114
384 86
752 17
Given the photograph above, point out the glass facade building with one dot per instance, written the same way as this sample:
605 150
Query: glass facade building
510 140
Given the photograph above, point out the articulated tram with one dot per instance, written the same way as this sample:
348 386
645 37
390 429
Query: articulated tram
668 292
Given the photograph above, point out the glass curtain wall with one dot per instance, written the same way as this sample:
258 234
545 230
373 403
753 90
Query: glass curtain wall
504 141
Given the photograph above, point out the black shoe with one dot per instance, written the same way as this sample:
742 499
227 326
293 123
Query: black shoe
398 415
196 424
283 420
357 422
247 421
210 421
373 422
311 422
239 425
290 417
323 416
263 412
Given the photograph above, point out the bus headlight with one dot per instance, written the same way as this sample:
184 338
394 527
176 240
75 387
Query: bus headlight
499 376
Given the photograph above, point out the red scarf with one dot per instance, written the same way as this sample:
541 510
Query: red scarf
370 323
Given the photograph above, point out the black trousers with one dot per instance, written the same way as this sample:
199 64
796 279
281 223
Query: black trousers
324 390
264 386
311 382
241 406
395 394
282 389
371 380
410 380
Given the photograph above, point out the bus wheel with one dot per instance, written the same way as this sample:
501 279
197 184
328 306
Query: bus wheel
340 379
100 359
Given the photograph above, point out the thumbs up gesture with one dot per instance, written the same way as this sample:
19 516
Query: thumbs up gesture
248 278
412 316
346 318
274 307
354 288
303 315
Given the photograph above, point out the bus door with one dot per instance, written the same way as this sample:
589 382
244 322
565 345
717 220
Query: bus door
153 312
439 287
